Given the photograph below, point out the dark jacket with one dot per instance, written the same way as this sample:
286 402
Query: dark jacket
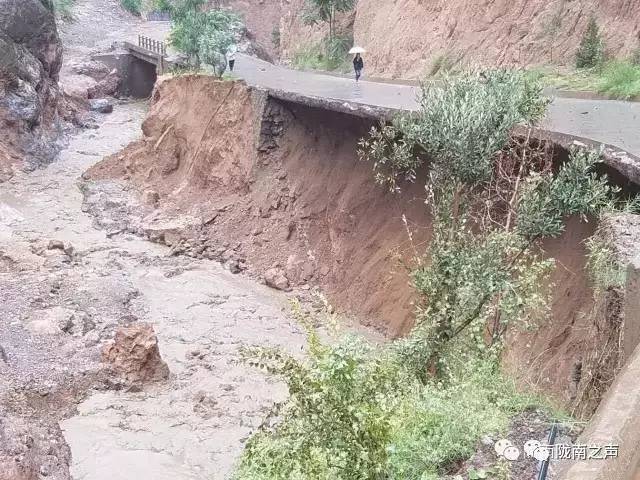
358 64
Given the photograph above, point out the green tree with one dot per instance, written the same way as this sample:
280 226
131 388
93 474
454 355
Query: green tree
590 53
325 11
493 195
203 36
216 38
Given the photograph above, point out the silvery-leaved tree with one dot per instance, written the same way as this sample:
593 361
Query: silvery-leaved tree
493 195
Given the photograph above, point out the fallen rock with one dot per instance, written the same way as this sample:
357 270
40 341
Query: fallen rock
92 68
106 87
134 355
56 245
276 278
101 105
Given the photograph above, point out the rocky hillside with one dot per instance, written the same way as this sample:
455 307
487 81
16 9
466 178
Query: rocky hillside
404 38
30 59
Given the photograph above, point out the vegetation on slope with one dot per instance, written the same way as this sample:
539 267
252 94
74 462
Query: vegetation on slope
133 6
358 411
205 36
617 78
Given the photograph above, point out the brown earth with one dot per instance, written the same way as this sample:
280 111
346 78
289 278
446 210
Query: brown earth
405 37
293 195
260 18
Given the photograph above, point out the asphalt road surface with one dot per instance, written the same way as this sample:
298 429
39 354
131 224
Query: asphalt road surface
613 122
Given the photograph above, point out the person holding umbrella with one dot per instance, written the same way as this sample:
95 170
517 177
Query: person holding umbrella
358 64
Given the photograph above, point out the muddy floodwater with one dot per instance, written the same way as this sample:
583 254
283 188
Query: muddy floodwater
194 425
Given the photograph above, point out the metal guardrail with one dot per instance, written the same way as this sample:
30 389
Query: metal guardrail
152 45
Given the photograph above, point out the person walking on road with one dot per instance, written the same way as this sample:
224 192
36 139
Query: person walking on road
358 65
231 57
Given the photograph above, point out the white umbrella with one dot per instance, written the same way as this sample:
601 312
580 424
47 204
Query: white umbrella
357 50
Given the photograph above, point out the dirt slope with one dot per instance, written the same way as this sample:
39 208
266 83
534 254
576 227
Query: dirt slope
406 36
289 192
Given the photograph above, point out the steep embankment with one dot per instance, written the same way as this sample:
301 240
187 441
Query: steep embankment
30 59
405 38
272 185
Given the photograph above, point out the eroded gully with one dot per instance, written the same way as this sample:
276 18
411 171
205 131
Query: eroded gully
194 425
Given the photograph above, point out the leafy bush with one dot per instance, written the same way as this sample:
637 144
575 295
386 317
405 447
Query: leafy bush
620 79
492 196
356 412
590 53
216 38
461 124
327 55
162 5
635 56
605 270
133 6
203 36
64 9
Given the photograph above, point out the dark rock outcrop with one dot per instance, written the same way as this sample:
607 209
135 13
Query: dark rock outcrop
30 60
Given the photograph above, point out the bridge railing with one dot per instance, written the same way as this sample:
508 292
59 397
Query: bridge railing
152 45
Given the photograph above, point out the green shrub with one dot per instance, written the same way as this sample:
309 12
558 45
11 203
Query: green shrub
162 5
461 124
492 196
620 79
331 54
635 56
355 412
64 9
133 6
605 270
203 36
590 53
275 37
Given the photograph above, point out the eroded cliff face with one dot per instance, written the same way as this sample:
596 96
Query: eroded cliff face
269 186
404 38
30 60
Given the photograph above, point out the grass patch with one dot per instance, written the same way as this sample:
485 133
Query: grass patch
617 78
133 6
621 80
326 55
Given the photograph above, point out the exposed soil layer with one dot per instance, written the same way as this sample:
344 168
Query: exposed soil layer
230 171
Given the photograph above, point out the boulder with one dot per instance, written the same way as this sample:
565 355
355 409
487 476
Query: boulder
276 278
91 68
101 105
55 245
108 86
134 355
